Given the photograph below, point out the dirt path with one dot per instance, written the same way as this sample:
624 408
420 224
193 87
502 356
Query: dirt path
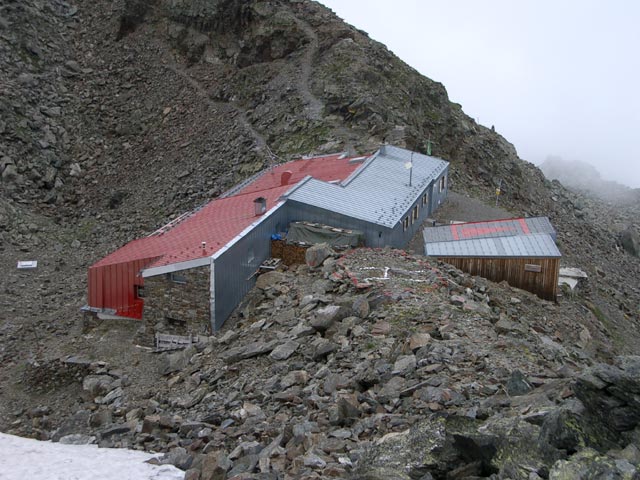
224 108
314 105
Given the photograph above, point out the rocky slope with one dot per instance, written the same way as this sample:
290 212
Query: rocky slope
117 116
375 365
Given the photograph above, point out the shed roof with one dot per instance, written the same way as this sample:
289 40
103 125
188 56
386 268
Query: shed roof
489 229
526 246
378 192
219 221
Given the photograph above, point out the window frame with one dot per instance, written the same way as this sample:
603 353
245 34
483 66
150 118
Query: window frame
177 278
443 183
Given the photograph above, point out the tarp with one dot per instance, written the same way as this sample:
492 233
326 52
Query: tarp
312 233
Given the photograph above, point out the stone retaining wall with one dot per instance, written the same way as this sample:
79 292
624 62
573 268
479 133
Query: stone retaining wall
178 303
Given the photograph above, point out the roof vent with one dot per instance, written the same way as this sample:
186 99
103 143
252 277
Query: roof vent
358 159
285 177
260 205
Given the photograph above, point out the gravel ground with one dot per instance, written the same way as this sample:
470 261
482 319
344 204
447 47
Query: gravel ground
458 207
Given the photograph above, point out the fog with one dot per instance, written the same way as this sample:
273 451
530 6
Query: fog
554 78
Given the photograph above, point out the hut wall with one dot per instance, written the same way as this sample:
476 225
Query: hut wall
234 270
178 301
409 225
438 196
516 271
113 288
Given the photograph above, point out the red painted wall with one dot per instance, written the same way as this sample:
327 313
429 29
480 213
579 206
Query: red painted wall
114 287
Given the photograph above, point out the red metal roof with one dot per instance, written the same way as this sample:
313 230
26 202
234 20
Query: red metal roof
327 168
222 219
479 229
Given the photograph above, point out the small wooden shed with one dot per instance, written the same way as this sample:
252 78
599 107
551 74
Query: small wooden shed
521 251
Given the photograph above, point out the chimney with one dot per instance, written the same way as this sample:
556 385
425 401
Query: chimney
260 205
285 177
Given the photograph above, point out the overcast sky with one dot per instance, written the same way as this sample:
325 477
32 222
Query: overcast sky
555 77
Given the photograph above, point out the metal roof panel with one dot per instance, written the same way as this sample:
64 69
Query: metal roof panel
379 191
220 220
494 228
533 245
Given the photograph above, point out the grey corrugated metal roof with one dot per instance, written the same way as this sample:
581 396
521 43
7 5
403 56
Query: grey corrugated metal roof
379 191
491 229
534 245
541 225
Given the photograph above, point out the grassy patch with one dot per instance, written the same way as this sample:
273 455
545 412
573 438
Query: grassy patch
610 327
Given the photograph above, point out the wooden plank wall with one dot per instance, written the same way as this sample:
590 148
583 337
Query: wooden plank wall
289 253
543 283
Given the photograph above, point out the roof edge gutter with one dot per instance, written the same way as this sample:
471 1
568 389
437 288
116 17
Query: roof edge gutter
175 267
296 186
360 169
244 232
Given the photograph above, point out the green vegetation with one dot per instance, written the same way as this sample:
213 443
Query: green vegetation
616 338
304 140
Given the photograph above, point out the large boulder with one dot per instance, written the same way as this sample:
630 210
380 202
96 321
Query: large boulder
611 393
455 447
317 254
10 173
98 385
176 361
588 463
325 317
270 279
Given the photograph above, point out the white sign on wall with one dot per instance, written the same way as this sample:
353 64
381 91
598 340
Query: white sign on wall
27 264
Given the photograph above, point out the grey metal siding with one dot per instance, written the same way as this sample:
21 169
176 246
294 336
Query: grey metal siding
234 270
378 192
439 196
400 237
375 235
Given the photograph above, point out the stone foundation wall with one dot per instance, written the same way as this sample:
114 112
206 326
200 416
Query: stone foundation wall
178 303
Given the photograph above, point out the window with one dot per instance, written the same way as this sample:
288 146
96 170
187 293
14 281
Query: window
414 215
139 291
425 199
405 224
175 277
171 320
443 182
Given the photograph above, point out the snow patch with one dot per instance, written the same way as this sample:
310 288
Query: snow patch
24 458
